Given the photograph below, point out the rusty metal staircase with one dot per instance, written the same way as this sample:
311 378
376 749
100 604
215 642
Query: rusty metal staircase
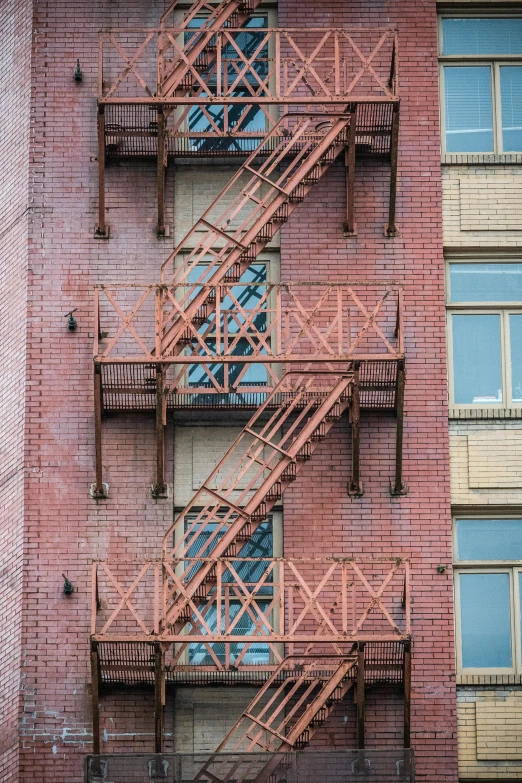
284 715
232 232
199 48
252 476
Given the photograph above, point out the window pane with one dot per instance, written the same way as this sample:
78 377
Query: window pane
477 374
250 119
485 282
489 539
511 99
482 36
485 620
520 604
467 103
515 338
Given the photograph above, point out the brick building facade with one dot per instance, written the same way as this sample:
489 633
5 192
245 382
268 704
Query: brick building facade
52 259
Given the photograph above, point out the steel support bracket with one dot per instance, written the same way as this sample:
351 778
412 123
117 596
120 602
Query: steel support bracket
355 490
400 490
349 232
98 493
102 233
159 491
163 233
391 231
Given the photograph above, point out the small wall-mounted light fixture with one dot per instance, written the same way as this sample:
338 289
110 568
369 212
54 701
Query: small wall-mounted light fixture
72 323
78 75
441 569
68 587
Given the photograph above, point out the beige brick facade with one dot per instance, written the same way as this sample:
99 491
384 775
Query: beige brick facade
485 460
482 206
490 734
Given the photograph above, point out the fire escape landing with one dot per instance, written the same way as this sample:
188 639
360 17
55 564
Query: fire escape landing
205 89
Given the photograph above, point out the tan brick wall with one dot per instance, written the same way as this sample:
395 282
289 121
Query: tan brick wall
490 734
484 463
482 206
203 716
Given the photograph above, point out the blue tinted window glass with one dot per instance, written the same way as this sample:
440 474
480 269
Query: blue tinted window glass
477 367
485 282
511 102
489 539
485 621
468 108
515 339
482 36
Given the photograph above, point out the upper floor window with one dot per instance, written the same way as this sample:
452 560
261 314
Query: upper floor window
485 333
481 84
250 45
488 585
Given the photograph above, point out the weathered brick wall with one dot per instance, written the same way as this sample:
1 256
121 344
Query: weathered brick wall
318 513
15 85
65 528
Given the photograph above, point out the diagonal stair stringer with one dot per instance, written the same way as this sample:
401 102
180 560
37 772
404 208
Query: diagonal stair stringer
228 13
284 715
276 185
222 517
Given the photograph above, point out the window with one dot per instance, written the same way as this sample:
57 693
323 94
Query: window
481 84
485 333
249 294
261 545
233 118
488 585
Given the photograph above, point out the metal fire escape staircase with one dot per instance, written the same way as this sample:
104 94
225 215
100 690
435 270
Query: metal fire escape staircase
279 439
250 479
199 48
232 232
284 716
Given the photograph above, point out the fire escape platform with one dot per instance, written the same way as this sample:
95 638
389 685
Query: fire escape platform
273 326
145 101
132 664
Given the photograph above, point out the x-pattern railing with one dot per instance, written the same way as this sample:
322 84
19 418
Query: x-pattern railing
252 322
309 65
302 602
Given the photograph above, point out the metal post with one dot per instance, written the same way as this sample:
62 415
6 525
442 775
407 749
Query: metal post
159 489
95 699
355 487
160 177
399 488
350 227
101 230
360 696
159 690
407 694
391 228
98 489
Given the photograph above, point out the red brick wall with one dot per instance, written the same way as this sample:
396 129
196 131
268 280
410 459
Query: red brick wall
323 519
65 528
15 63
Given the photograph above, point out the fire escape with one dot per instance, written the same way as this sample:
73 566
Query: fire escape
326 627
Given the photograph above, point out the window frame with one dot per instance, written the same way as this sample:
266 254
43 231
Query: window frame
276 518
272 262
504 310
494 61
271 13
514 569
